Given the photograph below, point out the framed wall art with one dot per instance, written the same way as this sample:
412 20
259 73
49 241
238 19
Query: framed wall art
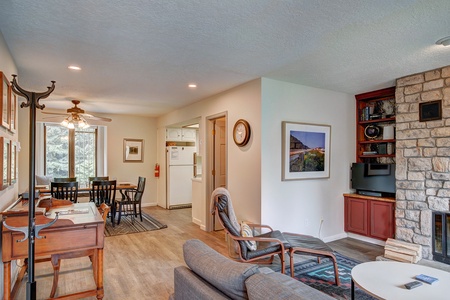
13 169
306 151
6 161
5 91
13 113
133 150
430 111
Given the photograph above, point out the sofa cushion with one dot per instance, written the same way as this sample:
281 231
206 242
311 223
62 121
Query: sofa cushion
226 275
261 285
188 285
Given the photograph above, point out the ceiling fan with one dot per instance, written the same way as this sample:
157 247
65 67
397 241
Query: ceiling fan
77 116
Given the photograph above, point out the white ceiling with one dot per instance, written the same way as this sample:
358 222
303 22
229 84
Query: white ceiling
138 56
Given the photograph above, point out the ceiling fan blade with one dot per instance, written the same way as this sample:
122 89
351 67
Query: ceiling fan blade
91 117
52 113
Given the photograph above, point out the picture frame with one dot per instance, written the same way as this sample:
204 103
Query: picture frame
305 151
133 150
430 111
5 92
13 163
6 161
13 113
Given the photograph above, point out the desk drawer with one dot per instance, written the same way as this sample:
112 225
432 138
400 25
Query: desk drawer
60 240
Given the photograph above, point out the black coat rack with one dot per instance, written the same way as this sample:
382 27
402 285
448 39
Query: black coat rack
32 231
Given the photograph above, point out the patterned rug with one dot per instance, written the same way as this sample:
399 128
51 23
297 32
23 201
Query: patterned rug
321 277
126 226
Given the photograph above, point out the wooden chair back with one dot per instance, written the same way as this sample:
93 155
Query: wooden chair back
91 179
65 179
103 191
65 190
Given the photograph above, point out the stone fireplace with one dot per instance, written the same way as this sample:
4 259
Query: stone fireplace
422 157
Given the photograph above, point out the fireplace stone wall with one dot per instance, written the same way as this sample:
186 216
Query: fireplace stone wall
422 156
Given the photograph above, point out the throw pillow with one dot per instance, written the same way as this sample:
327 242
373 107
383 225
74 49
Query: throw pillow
246 231
43 180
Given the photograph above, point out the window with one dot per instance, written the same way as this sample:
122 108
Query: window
70 152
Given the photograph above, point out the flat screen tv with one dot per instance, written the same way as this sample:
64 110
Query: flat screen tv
373 179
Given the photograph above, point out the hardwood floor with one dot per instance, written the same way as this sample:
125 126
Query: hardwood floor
140 266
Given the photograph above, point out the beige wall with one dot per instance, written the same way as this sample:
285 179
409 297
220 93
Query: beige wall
8 195
121 126
8 67
244 164
300 205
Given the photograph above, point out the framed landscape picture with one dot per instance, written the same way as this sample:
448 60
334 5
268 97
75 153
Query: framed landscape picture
133 150
305 151
5 101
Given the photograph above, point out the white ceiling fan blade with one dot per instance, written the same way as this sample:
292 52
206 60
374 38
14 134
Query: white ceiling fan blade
52 113
91 117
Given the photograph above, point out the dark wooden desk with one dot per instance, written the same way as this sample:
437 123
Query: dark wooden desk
76 232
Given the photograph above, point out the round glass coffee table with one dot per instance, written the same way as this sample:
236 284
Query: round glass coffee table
387 279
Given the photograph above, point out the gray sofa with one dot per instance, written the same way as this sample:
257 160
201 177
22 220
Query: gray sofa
210 275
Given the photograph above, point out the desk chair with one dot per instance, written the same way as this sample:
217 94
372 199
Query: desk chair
65 190
103 209
130 205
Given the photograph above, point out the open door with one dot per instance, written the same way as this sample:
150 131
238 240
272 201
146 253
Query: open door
218 159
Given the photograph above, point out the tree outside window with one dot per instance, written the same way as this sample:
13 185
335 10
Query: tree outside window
71 152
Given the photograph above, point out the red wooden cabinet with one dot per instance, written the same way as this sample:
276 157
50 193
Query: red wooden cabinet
369 216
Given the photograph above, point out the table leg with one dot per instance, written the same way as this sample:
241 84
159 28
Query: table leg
99 262
353 290
7 280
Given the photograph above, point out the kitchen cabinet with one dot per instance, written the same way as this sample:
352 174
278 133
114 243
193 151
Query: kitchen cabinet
369 216
181 134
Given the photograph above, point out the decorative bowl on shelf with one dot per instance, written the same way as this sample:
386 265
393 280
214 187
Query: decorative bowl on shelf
372 131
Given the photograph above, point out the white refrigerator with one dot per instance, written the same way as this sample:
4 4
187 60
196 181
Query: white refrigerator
180 170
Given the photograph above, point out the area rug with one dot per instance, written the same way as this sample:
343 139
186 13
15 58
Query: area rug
321 277
126 226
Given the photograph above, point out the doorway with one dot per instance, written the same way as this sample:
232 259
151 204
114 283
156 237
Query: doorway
217 158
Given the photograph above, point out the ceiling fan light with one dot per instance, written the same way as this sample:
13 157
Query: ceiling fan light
70 125
65 122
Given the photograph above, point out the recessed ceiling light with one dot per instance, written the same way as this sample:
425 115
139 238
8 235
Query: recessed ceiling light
444 41
192 85
72 67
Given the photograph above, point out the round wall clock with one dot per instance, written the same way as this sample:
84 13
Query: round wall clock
241 132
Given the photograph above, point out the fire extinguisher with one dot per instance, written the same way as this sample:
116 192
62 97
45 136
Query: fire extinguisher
157 170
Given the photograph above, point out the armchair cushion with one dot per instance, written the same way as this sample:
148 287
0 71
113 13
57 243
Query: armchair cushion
246 231
227 276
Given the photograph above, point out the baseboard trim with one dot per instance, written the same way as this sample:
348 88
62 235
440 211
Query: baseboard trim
334 237
366 239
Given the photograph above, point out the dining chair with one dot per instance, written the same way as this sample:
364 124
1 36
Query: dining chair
103 191
96 178
55 259
64 179
130 205
65 190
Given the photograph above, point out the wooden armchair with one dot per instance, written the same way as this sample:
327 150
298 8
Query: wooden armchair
131 203
268 244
